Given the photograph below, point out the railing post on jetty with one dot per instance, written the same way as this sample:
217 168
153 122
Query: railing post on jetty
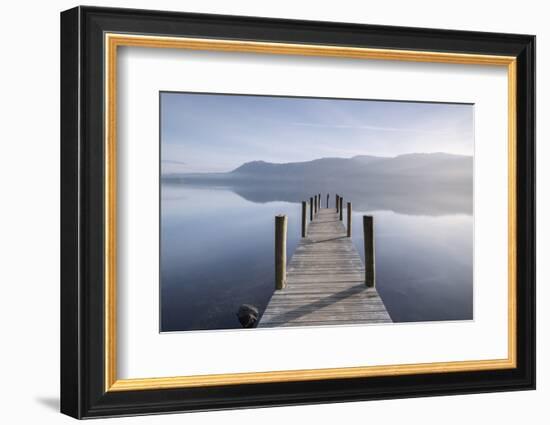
349 220
319 200
280 251
328 196
341 207
337 202
310 209
368 236
304 218
315 199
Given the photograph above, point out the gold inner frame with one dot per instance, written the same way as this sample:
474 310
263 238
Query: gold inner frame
113 41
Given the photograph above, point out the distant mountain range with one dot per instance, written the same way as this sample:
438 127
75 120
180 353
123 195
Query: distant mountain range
433 166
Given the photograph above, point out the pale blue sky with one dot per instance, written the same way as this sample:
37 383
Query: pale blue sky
217 133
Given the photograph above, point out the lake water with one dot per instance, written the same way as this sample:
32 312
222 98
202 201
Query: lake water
217 253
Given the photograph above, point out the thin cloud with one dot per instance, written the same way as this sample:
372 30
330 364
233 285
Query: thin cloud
367 127
168 161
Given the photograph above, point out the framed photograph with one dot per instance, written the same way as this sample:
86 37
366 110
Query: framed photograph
261 212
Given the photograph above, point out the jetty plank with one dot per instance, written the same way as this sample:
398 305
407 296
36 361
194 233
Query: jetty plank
325 281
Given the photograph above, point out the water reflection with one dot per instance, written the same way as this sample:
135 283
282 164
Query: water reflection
217 248
403 196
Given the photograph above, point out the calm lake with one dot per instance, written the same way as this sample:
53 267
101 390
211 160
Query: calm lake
217 253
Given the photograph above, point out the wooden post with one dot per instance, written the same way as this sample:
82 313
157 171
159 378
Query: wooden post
337 202
341 207
310 209
327 199
315 197
304 218
368 236
349 219
319 200
280 251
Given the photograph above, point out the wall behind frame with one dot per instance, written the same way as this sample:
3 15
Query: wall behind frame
29 217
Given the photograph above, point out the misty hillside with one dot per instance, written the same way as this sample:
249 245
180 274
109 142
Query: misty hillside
433 165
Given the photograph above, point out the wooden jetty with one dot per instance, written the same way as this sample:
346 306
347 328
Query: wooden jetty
326 282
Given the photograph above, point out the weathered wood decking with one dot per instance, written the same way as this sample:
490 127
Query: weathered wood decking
325 282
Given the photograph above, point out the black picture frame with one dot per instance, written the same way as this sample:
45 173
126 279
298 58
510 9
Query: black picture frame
83 392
